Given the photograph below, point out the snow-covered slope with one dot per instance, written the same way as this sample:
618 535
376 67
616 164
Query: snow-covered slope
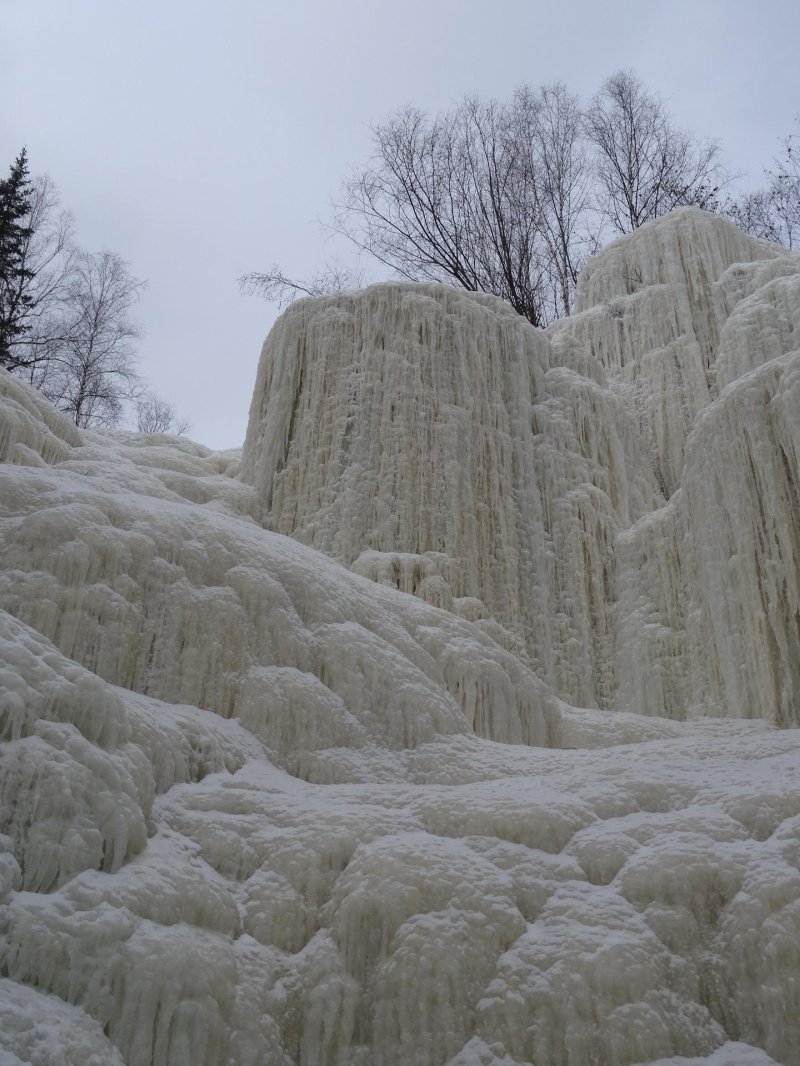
258 809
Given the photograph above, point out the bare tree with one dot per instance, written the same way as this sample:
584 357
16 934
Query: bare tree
453 197
753 212
644 165
90 368
551 122
72 335
76 346
511 198
773 212
784 192
155 415
277 287
404 208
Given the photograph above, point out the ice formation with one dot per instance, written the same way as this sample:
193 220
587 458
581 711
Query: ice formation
322 798
588 491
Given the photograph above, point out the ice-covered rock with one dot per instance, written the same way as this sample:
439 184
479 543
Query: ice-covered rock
258 808
435 442
416 421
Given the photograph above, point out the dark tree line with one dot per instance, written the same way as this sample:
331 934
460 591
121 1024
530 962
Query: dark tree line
16 203
66 322
512 197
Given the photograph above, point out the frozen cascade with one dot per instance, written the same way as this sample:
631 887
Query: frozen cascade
259 808
554 485
422 421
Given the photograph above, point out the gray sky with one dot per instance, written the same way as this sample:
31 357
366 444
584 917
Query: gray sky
201 141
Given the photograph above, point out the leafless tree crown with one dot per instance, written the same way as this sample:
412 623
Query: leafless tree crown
155 415
454 197
78 341
512 197
276 286
90 370
772 213
644 165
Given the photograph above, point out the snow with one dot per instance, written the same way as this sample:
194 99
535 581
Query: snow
323 799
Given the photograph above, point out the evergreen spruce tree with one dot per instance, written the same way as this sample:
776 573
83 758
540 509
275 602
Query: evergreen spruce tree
15 275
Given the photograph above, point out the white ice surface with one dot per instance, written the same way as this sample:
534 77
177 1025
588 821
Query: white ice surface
585 492
258 809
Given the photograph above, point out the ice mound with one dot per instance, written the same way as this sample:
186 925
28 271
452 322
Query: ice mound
258 808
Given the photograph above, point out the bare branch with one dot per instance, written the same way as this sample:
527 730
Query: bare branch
457 197
276 287
155 415
512 198
773 212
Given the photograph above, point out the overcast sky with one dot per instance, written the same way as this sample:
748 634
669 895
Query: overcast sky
201 140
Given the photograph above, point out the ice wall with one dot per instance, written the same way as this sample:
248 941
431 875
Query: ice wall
434 441
649 309
423 422
259 810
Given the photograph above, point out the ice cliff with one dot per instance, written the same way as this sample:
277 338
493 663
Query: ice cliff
258 809
590 491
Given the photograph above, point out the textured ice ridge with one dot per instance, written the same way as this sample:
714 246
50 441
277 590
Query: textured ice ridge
259 810
588 492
